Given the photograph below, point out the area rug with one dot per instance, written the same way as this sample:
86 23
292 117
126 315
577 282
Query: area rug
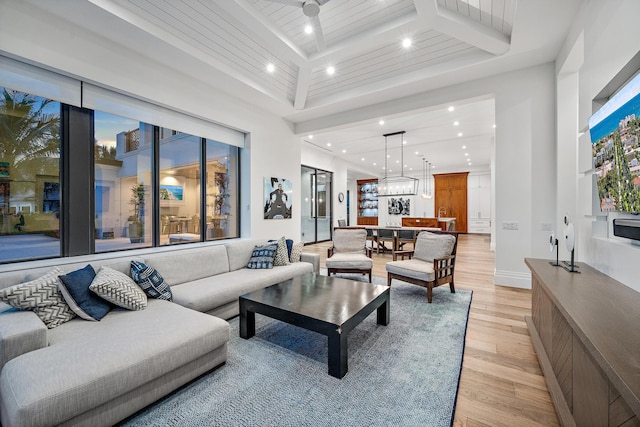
402 374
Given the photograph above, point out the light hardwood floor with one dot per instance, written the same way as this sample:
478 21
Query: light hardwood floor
501 382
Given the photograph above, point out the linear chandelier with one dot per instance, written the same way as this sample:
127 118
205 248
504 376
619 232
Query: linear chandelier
396 185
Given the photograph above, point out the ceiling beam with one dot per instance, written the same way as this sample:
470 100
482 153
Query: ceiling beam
302 87
462 28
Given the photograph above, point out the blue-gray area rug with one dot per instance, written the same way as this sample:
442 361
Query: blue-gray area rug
402 374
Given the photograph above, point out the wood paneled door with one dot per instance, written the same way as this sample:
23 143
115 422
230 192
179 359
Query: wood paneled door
451 194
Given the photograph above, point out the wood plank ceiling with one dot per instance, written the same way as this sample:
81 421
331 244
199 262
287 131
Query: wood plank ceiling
362 40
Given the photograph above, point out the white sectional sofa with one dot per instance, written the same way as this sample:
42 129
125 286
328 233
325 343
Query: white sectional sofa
98 373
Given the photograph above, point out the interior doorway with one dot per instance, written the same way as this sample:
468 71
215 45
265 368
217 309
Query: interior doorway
316 209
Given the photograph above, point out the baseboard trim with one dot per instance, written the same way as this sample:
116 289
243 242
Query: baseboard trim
512 279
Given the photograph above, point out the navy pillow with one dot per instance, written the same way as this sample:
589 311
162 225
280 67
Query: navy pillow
151 282
289 247
74 287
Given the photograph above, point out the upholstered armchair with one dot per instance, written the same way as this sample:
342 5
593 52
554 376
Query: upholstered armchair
430 264
349 252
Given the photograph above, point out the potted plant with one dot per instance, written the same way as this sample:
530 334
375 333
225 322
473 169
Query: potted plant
136 221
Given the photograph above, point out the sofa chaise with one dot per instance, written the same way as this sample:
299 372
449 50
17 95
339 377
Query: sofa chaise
97 373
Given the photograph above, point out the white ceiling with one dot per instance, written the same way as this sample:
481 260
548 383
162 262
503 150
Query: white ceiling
235 40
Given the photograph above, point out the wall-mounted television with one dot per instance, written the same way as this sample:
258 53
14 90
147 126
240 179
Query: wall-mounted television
615 134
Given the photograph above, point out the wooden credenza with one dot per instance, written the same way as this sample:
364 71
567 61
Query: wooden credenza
585 329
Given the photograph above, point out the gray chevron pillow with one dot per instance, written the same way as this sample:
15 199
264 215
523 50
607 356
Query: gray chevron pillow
41 296
118 289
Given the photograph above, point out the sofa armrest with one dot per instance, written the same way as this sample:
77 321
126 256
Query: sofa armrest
20 333
313 259
443 266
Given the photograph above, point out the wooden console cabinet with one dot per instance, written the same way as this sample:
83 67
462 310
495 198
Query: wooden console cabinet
585 329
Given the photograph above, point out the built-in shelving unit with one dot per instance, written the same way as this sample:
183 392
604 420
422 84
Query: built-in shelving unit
367 202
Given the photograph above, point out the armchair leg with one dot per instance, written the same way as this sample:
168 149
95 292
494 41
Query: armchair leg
388 280
453 288
430 292
369 276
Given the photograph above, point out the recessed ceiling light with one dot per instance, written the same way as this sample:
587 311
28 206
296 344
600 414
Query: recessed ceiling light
308 29
406 43
464 147
374 164
459 133
344 151
494 126
271 68
383 168
416 153
331 70
381 122
363 159
390 170
456 123
450 108
469 163
466 154
397 161
405 142
410 169
310 136
328 144
388 155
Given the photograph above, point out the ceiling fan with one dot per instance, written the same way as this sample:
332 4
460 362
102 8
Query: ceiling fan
310 8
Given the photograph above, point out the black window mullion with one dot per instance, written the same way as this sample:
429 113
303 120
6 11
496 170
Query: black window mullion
203 189
77 175
155 184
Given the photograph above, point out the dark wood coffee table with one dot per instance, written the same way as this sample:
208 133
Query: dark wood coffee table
328 305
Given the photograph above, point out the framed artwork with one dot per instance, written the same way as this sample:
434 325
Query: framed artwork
171 194
399 206
277 198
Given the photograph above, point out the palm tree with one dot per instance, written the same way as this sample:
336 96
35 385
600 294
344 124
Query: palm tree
29 139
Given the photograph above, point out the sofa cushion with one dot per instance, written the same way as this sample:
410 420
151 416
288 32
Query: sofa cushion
119 289
430 246
209 293
185 265
240 251
75 290
90 363
353 261
41 296
262 256
151 281
413 268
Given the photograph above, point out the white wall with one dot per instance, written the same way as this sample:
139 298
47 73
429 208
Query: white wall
60 45
606 35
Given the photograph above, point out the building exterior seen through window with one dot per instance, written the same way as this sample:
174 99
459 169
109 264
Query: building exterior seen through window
30 200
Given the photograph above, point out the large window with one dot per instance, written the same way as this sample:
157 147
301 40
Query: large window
179 187
123 209
30 196
149 185
221 190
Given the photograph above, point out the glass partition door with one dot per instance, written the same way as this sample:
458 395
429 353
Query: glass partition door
316 206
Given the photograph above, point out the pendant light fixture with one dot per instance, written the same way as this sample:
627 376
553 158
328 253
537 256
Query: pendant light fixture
426 194
392 186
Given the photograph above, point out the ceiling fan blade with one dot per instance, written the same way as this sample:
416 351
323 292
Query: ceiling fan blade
296 3
317 30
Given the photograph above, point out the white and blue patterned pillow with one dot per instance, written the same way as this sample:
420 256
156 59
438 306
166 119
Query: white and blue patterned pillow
151 282
262 256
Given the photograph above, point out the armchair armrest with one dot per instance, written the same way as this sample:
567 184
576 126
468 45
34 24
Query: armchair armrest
402 254
443 266
330 252
20 333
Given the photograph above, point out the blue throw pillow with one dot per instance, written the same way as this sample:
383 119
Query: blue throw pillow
151 282
289 248
262 256
74 287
